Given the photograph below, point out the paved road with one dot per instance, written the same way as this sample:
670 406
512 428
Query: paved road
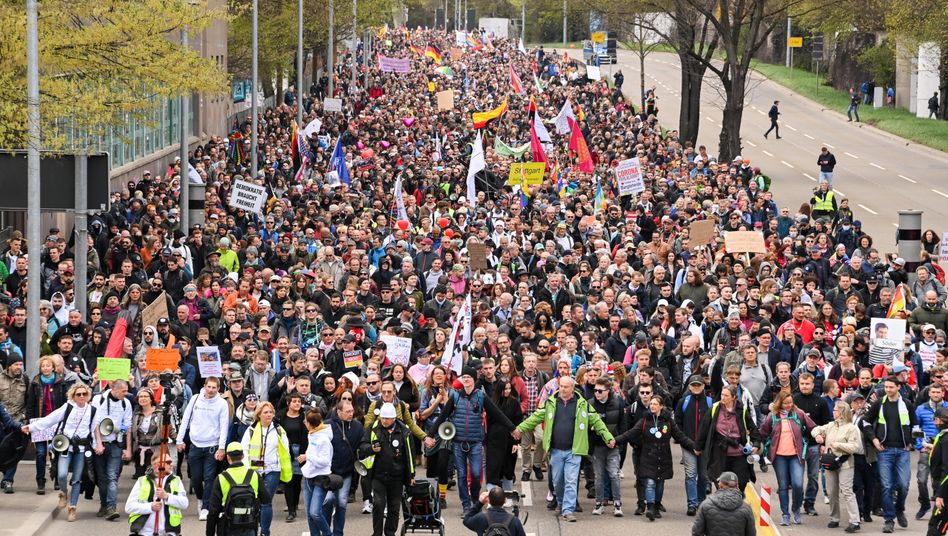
880 173
540 521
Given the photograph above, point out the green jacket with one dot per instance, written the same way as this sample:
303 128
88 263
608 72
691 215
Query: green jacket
586 419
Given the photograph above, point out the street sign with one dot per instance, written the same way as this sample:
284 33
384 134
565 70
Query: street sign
598 37
817 53
794 42
58 177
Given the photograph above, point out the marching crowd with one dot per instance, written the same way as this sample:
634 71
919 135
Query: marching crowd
560 327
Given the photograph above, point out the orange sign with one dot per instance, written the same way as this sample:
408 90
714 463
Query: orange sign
160 359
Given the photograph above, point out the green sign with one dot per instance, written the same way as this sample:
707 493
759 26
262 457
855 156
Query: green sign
114 368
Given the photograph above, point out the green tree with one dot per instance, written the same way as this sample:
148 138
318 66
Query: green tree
100 60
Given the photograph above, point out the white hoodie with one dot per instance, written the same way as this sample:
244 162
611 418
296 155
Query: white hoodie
207 420
318 452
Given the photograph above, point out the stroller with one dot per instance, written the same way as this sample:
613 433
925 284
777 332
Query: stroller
422 509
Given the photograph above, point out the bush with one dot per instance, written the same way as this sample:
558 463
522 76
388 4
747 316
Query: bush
880 62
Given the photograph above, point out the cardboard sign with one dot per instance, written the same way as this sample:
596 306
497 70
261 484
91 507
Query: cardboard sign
943 248
445 99
629 177
113 368
477 253
532 173
701 232
45 435
593 72
744 242
155 310
398 349
460 38
332 105
209 361
161 359
352 359
248 196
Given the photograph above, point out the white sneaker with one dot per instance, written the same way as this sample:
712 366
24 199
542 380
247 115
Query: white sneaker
597 511
826 500
366 507
621 475
617 510
202 514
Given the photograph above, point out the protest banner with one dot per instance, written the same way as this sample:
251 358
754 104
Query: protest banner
445 99
629 177
209 361
332 105
398 349
477 253
593 72
532 173
113 368
161 359
352 359
943 249
46 435
155 310
744 242
887 333
248 196
394 65
460 38
701 232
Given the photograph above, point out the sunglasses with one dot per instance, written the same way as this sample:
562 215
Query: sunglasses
601 390
645 392
82 394
371 383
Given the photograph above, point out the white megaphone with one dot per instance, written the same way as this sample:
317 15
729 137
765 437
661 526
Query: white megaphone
106 427
60 443
446 431
753 458
361 468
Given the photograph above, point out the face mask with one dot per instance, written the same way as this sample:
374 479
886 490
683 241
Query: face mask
846 227
793 234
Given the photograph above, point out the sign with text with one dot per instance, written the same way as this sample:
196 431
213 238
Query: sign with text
46 435
113 368
794 42
701 232
394 65
161 359
943 248
209 361
744 242
477 252
248 196
332 105
445 99
530 173
155 310
593 72
352 359
887 333
398 349
629 177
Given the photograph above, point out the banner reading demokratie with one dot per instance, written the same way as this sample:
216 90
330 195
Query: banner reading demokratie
394 65
248 196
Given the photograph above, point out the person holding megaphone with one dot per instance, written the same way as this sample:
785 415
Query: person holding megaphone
113 419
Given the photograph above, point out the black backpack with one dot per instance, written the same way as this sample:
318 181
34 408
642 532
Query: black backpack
242 508
500 528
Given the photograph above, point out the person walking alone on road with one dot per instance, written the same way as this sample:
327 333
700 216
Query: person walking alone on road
826 161
725 513
853 105
773 114
933 106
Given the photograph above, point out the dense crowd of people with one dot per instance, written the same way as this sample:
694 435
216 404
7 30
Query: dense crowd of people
561 327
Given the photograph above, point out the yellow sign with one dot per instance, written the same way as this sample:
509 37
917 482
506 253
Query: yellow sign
794 42
599 37
532 173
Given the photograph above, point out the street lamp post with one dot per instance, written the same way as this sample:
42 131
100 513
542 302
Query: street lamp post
299 64
355 40
564 23
330 59
33 187
184 177
253 96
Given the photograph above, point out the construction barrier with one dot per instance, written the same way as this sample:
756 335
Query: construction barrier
760 504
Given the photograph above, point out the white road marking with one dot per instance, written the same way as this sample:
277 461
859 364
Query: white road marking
768 153
526 495
828 145
808 136
838 192
812 178
761 112
752 144
913 181
789 165
709 118
788 126
895 225
943 194
851 155
873 164
867 209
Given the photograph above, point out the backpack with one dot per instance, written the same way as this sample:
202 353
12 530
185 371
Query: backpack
773 422
500 528
242 509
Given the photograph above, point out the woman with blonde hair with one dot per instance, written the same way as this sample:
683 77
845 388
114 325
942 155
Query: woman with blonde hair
267 451
839 441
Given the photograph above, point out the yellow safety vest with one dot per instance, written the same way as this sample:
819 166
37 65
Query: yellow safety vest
258 451
370 460
238 473
826 204
146 494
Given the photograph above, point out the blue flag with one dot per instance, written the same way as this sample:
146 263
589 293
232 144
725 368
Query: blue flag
338 162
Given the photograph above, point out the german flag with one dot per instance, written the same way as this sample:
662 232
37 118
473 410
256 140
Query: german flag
482 119
415 49
432 52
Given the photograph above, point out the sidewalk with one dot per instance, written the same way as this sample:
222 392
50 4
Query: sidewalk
24 512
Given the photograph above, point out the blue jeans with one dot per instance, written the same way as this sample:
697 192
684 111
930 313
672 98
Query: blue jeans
827 176
853 109
564 466
469 456
695 482
71 462
42 449
605 462
203 470
812 475
337 500
108 468
313 497
789 472
654 490
271 480
894 472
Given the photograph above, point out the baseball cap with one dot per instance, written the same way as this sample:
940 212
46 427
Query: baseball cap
695 380
928 327
856 395
235 447
898 366
162 321
387 411
727 477
900 261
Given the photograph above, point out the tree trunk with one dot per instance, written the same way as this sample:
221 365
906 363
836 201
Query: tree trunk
692 76
730 139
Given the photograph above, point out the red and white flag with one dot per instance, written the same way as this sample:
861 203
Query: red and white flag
515 84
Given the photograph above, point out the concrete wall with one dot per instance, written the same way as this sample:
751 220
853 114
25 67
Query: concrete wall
904 73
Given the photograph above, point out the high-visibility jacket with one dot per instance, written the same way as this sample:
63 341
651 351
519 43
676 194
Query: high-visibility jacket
825 204
258 450
146 493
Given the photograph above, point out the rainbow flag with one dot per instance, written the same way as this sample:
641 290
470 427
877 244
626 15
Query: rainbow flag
600 197
898 302
471 41
482 119
433 53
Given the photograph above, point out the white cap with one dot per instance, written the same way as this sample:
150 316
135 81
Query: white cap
388 411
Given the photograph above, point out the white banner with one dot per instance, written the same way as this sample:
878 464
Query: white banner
398 349
312 128
209 361
460 38
593 72
629 177
248 196
332 105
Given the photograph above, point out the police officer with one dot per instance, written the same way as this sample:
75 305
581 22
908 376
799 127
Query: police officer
236 473
387 455
158 493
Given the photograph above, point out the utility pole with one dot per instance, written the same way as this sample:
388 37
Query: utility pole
355 46
183 215
330 53
366 47
564 23
787 42
523 21
82 230
34 241
299 64
253 96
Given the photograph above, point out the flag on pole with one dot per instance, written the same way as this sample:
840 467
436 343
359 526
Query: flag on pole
520 46
600 197
433 53
460 336
436 155
515 84
300 173
478 164
338 162
535 146
536 82
578 143
399 202
482 119
503 149
542 133
312 128
562 119
898 302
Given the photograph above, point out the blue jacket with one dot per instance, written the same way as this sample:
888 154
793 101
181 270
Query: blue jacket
344 445
467 415
926 421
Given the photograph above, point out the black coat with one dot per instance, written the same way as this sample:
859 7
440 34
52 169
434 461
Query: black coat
613 414
714 447
656 462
